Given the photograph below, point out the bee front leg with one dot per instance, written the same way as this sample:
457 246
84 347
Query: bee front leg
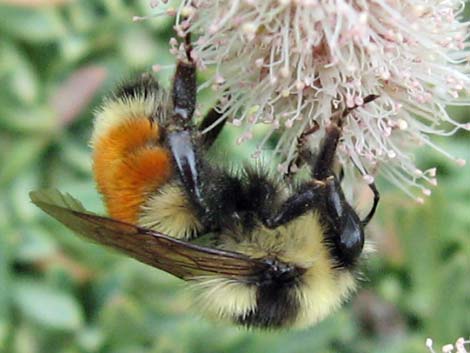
304 200
304 155
344 228
323 166
310 195
211 118
180 129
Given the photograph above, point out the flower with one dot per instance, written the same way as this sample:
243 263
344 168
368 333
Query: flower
291 64
449 348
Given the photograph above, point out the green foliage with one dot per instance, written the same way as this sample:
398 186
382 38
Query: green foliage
61 294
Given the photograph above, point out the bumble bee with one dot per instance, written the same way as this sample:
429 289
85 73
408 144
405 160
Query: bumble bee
280 256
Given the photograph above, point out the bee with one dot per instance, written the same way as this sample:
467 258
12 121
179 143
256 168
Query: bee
279 255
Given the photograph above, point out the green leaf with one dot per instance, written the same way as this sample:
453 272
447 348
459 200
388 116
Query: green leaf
36 244
32 119
77 156
25 340
17 73
74 48
20 204
22 155
47 306
30 24
4 331
137 46
91 338
5 274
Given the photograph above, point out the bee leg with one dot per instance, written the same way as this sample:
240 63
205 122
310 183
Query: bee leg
210 136
306 199
323 166
344 226
184 90
304 155
180 129
324 193
345 229
311 194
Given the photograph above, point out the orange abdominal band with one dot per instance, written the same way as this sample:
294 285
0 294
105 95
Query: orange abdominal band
128 163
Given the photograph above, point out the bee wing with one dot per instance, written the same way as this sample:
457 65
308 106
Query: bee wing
182 259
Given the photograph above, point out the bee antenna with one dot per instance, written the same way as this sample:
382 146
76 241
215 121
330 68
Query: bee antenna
375 192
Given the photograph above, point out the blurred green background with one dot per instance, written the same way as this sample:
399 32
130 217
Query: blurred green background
61 294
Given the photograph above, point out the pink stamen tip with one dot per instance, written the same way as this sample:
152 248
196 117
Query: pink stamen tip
369 179
427 192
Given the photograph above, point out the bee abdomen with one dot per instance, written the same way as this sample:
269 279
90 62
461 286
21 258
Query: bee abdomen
277 304
129 158
127 171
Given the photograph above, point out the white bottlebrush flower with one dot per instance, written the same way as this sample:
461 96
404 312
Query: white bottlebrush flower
293 63
459 347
